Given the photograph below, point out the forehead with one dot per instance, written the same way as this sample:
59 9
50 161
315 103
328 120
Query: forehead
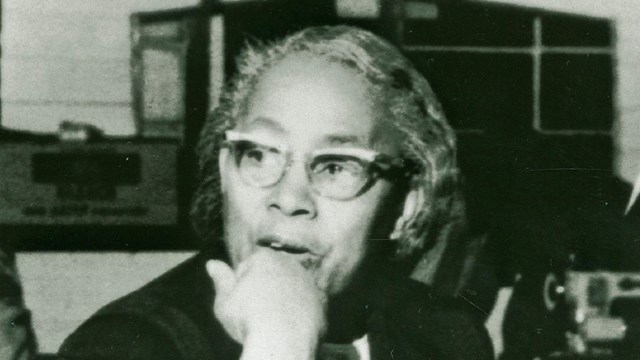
310 100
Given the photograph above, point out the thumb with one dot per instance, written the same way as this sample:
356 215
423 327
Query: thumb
224 279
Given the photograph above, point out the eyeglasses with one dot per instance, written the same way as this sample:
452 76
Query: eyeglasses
336 173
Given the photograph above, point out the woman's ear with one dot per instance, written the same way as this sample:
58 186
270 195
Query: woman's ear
412 204
223 157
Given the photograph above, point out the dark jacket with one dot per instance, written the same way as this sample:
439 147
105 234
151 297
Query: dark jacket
172 318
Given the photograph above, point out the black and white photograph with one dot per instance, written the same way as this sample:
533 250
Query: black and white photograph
319 179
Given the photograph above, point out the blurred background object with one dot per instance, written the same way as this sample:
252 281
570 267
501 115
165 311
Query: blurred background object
17 340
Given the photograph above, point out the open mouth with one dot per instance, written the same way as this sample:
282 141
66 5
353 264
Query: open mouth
304 255
278 245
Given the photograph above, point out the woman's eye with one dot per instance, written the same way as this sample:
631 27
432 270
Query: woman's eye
337 167
333 168
255 155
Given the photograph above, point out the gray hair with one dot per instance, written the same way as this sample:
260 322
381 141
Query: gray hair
415 112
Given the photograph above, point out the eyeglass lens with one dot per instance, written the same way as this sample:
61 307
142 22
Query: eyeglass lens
331 175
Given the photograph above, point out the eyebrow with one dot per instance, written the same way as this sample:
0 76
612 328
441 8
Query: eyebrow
337 139
353 141
259 139
261 121
331 139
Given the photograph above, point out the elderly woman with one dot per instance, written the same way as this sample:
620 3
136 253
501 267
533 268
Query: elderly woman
327 173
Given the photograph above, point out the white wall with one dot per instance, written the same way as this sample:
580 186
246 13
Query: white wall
69 60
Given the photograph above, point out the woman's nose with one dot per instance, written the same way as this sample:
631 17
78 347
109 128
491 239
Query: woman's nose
293 195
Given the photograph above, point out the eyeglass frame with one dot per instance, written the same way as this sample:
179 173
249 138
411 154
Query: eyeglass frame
375 164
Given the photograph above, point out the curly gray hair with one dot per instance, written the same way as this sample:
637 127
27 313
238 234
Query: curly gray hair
394 82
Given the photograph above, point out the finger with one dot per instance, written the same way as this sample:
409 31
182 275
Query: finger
321 276
224 280
264 260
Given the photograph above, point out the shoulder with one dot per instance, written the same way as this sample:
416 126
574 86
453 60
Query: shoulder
169 318
455 330
118 337
429 326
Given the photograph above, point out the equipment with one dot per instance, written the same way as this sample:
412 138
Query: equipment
111 183
601 304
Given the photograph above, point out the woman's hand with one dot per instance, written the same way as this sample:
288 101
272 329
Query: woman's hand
271 305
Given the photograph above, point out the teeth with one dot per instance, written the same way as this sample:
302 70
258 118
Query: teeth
276 245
